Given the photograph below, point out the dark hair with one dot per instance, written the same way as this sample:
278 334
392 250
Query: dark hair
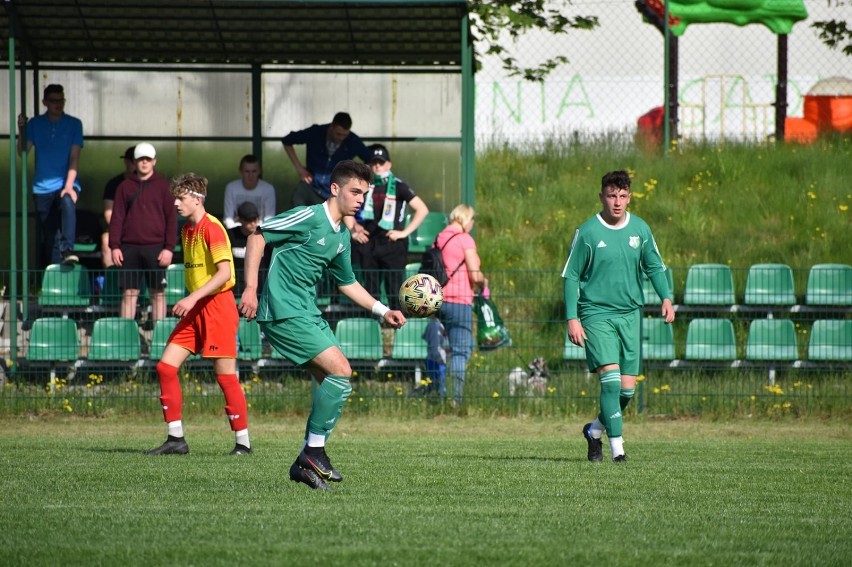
619 179
249 158
347 170
343 120
189 183
53 89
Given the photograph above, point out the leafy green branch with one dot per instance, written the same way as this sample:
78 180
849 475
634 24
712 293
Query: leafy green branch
834 33
492 20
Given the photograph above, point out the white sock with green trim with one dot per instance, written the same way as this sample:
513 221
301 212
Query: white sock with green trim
315 440
616 445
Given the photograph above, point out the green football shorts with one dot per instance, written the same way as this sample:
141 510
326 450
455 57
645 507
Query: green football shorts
614 341
299 339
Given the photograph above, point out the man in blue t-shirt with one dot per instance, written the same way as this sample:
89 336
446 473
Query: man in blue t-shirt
57 139
326 145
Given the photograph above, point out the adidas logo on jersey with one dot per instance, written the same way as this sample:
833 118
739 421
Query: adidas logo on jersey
321 241
601 244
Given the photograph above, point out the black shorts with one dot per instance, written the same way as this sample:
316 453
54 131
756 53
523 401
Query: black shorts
140 265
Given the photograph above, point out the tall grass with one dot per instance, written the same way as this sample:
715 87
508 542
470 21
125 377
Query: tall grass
736 204
571 393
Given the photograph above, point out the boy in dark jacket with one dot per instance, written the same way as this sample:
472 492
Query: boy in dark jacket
143 233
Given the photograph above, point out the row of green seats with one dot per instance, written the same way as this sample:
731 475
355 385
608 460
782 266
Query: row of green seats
714 339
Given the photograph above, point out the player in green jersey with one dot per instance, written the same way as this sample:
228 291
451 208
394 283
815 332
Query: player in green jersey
603 302
305 241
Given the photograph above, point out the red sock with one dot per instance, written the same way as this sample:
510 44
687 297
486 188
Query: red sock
171 396
235 401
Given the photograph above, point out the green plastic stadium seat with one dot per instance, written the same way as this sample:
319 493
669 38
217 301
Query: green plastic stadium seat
277 355
772 339
709 284
651 297
179 246
160 337
360 338
710 339
657 339
65 285
115 338
111 294
85 248
53 339
770 284
250 344
412 269
175 284
424 236
334 291
829 284
572 351
408 343
831 339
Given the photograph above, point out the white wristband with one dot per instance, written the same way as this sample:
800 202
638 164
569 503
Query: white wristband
379 309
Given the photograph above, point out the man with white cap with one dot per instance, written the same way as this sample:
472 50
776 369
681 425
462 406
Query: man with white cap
143 233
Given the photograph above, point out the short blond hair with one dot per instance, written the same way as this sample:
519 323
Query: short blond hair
462 214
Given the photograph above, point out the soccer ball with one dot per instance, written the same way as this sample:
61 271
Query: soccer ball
420 296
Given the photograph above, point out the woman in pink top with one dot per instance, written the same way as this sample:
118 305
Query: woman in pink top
461 262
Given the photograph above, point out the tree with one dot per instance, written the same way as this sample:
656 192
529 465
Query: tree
491 19
835 33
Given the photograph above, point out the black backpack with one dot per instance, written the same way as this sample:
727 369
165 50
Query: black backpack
432 262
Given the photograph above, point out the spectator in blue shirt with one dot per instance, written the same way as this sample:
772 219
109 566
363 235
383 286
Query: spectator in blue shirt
326 145
58 139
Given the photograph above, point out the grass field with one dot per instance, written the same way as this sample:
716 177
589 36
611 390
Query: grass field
442 491
735 204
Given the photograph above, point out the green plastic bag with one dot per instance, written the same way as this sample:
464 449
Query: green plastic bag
491 333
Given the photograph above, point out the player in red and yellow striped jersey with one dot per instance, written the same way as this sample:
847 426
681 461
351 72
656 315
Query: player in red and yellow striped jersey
208 318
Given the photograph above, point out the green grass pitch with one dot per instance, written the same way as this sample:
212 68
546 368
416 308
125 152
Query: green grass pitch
443 491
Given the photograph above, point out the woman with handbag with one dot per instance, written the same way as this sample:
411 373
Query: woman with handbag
458 251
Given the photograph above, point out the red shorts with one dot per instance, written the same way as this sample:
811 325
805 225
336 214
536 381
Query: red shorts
210 328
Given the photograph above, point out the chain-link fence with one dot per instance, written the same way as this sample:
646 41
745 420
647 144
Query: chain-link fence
739 333
726 74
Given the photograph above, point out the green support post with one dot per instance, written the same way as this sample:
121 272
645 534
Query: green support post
256 112
13 208
468 157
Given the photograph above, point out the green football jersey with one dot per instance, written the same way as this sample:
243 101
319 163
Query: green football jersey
603 274
304 243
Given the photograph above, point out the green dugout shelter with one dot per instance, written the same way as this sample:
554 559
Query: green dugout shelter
256 38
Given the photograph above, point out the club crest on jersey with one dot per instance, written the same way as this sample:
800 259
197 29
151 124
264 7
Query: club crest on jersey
321 241
340 248
634 242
